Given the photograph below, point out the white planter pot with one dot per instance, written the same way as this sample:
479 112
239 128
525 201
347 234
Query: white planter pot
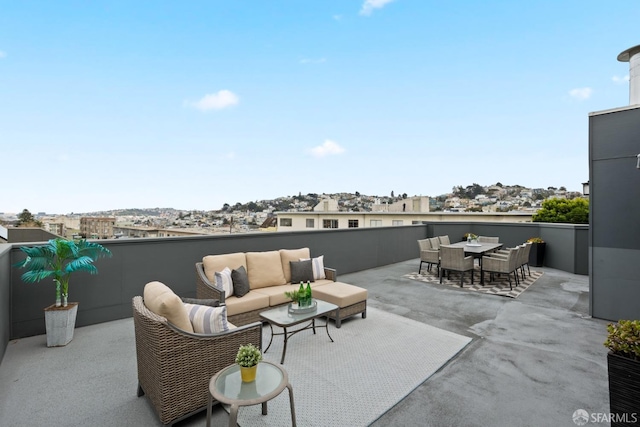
60 323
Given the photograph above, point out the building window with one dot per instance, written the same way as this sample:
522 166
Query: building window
329 223
285 222
397 222
376 223
353 223
311 223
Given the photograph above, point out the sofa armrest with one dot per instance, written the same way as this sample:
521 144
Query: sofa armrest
204 288
331 273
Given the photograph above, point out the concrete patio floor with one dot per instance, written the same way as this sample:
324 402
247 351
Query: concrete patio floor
533 361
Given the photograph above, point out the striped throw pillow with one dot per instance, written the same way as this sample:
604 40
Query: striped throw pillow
223 280
207 320
318 267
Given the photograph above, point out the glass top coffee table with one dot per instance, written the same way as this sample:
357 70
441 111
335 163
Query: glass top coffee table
227 387
282 317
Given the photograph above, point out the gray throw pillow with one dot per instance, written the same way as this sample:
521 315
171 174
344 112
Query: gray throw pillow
240 282
301 271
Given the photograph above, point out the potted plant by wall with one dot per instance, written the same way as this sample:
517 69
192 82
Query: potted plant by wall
57 260
248 357
623 362
536 256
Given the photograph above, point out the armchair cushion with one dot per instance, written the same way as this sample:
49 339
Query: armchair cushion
224 281
162 301
301 271
241 284
207 320
264 269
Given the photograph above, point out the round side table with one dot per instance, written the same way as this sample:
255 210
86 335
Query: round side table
227 387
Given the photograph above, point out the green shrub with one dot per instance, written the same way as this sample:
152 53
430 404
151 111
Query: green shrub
624 338
574 211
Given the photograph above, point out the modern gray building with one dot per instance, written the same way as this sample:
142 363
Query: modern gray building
614 193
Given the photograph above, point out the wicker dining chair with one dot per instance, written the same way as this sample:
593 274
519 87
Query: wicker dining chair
175 367
503 264
488 239
444 240
524 259
452 259
428 255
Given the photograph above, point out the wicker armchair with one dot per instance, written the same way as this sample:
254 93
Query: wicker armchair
428 255
452 259
174 366
503 264
444 240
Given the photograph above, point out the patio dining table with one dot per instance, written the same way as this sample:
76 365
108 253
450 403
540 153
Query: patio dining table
478 250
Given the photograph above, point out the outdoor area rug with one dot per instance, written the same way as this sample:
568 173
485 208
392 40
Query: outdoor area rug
499 286
372 365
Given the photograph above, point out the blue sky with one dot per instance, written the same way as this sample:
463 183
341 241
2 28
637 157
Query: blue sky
190 105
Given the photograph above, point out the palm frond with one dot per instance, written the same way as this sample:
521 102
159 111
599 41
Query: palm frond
37 275
84 263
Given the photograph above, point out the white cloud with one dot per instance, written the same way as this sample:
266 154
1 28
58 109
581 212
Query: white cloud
313 61
620 80
3 54
215 101
337 17
581 93
328 148
369 5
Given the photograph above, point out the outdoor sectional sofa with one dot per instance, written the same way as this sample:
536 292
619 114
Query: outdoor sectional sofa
269 274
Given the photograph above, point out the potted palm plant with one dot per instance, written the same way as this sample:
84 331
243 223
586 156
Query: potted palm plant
248 358
57 260
623 363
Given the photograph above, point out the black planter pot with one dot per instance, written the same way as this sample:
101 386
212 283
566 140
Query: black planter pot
624 390
536 256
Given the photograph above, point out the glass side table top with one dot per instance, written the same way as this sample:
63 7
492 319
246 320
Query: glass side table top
280 316
227 386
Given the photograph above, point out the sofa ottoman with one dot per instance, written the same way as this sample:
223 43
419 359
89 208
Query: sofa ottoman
349 298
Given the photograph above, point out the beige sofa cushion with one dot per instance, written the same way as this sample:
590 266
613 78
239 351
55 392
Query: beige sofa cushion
249 302
340 294
287 255
276 293
213 263
264 269
162 301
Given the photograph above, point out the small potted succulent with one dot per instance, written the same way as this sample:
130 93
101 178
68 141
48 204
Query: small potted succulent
623 363
248 358
536 256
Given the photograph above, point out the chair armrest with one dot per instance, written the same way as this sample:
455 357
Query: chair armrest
331 273
209 302
205 289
